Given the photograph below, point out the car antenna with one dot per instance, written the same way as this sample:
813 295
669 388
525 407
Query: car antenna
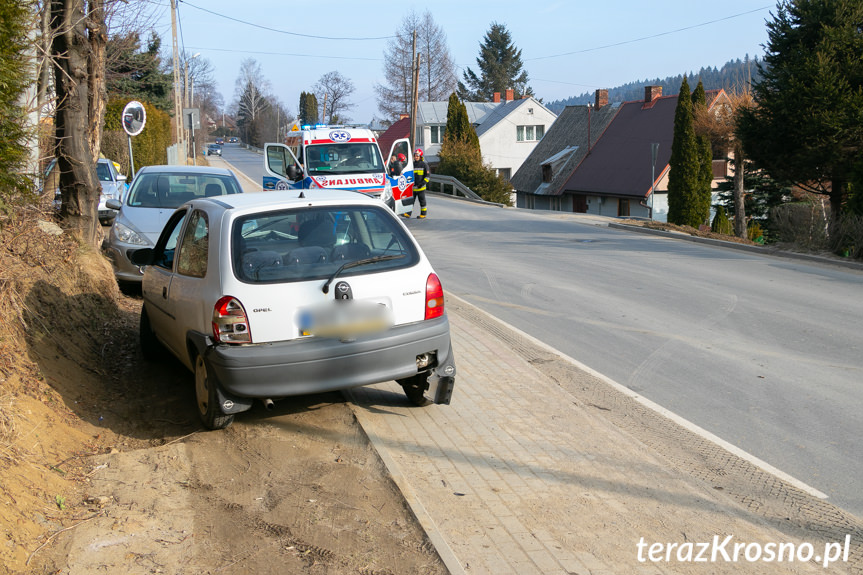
302 195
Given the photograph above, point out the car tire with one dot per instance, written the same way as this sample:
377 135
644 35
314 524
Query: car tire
151 349
207 399
415 387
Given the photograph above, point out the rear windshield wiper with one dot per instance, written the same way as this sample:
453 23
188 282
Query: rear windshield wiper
326 288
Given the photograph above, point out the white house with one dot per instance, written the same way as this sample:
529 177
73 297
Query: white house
508 129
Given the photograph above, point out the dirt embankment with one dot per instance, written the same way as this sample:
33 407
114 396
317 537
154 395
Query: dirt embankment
105 468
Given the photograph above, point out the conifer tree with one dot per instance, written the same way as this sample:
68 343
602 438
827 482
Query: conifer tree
702 195
684 172
458 126
806 127
308 108
500 69
13 81
461 157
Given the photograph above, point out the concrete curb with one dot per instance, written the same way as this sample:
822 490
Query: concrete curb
741 247
422 516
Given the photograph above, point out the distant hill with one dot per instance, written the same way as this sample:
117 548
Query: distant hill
731 76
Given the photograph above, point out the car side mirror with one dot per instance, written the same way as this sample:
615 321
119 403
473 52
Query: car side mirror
114 204
121 178
142 257
294 173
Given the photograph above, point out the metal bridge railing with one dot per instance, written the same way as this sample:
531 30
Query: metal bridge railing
453 187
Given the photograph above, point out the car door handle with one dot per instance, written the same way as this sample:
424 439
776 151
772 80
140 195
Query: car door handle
164 292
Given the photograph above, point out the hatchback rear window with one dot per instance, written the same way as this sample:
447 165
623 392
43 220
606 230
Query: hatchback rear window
315 243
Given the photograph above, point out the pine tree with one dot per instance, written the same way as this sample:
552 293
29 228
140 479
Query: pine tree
13 81
137 74
683 176
461 157
806 128
308 108
500 69
458 126
702 194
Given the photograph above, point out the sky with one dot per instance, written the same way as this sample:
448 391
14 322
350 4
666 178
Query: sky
568 47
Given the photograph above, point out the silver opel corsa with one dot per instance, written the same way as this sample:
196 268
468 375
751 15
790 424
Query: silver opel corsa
155 193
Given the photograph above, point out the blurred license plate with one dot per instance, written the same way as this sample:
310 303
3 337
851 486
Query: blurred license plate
345 319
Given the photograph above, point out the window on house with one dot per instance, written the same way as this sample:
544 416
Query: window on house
437 134
529 133
505 173
546 173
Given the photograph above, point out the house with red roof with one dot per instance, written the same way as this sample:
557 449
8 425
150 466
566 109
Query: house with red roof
508 129
620 169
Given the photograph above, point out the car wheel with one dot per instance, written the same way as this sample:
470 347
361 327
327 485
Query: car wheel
207 398
151 349
415 387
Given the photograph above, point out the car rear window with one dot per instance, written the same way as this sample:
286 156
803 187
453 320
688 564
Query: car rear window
166 190
315 243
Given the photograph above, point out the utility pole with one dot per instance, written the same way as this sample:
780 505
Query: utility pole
324 114
178 102
187 91
415 76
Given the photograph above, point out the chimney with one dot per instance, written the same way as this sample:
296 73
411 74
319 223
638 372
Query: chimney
510 95
601 98
651 93
497 97
404 116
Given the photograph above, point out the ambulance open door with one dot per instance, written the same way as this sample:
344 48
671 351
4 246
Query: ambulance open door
402 181
282 171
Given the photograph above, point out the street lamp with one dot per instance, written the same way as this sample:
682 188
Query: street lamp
186 66
654 150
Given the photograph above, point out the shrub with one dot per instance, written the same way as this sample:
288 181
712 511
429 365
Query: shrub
755 233
463 161
802 224
721 224
847 237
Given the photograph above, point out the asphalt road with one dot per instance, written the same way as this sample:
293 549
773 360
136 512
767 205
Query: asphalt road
766 353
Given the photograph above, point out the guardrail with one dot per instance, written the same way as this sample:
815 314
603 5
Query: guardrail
459 190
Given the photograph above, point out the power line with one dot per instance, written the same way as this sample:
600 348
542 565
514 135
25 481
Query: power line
284 31
651 36
233 51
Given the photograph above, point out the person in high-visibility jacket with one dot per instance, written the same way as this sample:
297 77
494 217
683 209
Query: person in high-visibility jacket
421 180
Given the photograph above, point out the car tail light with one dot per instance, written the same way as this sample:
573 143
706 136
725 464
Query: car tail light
434 297
230 324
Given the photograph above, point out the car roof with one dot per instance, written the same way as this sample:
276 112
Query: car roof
187 170
294 198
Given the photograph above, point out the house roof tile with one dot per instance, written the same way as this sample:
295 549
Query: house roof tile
569 130
400 129
620 164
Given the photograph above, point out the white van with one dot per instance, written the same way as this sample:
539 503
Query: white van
341 157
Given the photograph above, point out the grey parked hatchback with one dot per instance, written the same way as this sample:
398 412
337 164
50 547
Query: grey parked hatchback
155 193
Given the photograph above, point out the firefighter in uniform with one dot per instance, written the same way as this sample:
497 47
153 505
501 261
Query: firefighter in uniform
421 180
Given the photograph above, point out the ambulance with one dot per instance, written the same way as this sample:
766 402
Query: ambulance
341 157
